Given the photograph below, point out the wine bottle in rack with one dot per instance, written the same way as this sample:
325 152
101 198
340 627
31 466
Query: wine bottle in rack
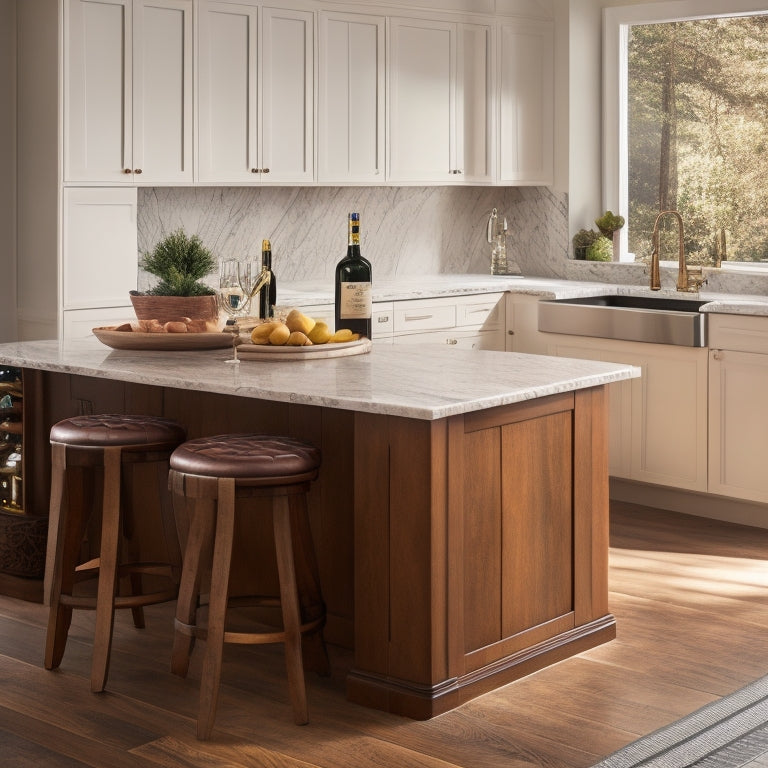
268 292
353 285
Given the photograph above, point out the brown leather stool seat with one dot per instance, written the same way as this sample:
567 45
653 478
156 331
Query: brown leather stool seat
93 456
215 472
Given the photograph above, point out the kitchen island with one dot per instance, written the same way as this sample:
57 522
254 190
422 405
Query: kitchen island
461 515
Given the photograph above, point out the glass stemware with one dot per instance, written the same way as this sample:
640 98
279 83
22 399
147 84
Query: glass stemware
235 281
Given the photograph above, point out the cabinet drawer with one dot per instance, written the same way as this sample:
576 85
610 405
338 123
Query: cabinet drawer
459 339
382 319
423 316
741 333
487 311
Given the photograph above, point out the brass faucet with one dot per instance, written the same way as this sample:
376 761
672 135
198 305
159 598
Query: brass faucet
690 279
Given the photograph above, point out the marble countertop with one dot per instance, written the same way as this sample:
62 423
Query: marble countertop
426 382
436 286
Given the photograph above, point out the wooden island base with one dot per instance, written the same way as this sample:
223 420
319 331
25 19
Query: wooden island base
456 555
481 549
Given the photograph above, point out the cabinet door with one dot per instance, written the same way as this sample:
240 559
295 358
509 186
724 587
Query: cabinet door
422 102
526 103
738 414
98 91
99 250
658 422
227 93
351 98
287 96
162 91
473 122
669 416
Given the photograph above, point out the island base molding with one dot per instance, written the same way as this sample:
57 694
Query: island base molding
424 702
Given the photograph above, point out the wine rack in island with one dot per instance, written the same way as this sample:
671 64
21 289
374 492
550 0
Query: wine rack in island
22 535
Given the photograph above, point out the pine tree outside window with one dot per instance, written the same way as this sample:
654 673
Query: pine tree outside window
691 113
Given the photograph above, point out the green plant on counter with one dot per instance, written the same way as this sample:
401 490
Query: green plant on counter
180 262
582 240
608 223
600 250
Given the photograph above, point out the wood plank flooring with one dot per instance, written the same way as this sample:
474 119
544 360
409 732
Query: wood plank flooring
689 595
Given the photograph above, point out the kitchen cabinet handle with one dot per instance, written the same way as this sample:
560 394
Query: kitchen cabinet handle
255 170
127 170
265 170
412 318
717 354
383 319
137 170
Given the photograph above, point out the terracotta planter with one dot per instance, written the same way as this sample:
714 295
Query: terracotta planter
167 308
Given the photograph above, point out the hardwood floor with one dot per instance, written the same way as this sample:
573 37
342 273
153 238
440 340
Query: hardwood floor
689 595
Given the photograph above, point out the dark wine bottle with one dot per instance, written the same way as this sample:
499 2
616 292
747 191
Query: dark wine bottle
353 285
268 292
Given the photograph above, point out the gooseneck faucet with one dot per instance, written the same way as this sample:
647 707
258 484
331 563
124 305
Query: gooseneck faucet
689 283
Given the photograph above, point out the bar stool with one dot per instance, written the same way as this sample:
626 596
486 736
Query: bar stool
104 448
216 472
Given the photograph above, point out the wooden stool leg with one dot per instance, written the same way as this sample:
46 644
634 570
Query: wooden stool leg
61 558
289 601
108 561
217 608
130 552
168 519
197 552
308 584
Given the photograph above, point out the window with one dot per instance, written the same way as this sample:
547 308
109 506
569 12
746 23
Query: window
689 106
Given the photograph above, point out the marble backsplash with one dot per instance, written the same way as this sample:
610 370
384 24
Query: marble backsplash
406 231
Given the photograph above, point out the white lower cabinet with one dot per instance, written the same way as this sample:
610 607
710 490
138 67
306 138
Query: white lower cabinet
738 411
658 422
470 322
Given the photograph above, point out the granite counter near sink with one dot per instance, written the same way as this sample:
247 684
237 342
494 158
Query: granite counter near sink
308 293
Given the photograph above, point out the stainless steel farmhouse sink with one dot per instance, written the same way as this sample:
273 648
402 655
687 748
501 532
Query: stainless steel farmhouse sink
658 320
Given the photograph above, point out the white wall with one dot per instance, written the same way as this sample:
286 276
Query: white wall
38 167
7 170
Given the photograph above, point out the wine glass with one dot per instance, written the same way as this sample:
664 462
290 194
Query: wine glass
235 282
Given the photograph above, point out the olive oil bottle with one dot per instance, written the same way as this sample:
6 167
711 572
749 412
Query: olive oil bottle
353 285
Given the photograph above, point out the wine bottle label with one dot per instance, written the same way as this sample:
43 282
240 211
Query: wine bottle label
356 301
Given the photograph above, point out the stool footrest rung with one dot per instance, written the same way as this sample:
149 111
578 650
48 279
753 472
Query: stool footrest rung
245 638
88 603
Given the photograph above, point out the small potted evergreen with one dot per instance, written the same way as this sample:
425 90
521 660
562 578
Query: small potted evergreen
180 262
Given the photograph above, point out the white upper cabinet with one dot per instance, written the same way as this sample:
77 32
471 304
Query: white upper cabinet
128 91
350 98
255 94
438 101
526 103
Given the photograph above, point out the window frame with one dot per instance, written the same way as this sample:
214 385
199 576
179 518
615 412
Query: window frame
616 23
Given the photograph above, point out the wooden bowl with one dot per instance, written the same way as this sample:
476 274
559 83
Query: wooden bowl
167 308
